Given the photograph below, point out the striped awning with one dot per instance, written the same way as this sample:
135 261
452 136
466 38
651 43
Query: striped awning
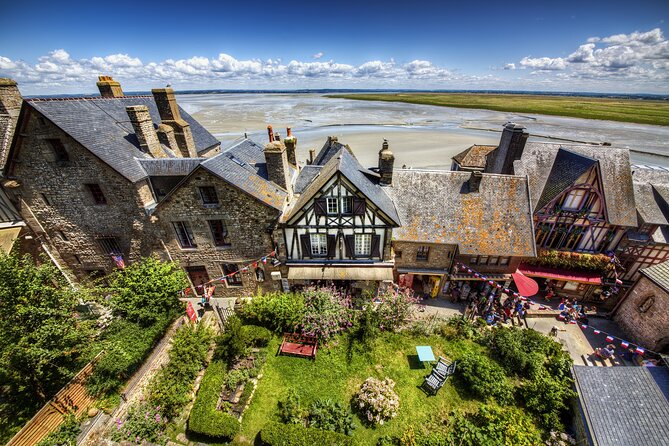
340 273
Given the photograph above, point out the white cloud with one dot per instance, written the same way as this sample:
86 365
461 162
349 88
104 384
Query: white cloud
318 55
510 66
543 63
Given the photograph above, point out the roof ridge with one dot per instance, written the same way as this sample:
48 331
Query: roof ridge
85 98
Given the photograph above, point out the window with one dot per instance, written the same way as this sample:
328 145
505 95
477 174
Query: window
483 260
62 235
319 244
96 193
45 199
570 286
219 233
208 195
109 245
423 253
398 254
260 275
503 261
473 260
332 205
574 200
347 205
363 244
184 234
234 280
61 155
77 259
646 304
493 260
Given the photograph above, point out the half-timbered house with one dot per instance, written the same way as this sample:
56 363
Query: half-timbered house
339 225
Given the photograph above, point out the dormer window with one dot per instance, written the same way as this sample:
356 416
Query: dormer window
332 205
574 200
60 153
208 195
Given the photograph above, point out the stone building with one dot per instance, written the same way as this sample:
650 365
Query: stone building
472 158
644 312
11 223
75 171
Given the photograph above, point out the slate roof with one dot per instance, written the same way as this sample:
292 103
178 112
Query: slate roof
103 127
364 180
9 216
614 165
329 150
651 193
474 156
567 168
243 166
163 167
306 176
659 274
436 207
624 406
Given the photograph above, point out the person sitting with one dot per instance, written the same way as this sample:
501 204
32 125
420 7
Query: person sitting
605 352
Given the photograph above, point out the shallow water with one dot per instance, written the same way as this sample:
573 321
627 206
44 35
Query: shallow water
419 135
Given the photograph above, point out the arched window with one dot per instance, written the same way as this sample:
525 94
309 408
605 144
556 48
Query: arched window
574 200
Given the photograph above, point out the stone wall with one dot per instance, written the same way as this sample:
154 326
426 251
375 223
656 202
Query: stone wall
646 324
71 221
248 222
439 256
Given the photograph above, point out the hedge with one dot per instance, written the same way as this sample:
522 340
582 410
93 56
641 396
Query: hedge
277 434
205 419
256 335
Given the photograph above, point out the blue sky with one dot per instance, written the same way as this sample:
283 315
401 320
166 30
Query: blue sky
613 46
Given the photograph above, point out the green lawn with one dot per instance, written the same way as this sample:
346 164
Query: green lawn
613 109
333 375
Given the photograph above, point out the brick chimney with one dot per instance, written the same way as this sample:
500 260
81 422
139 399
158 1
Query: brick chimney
474 181
510 149
10 106
170 116
144 131
276 161
109 88
291 147
386 163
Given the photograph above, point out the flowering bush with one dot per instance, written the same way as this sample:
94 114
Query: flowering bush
377 401
395 308
144 424
278 311
328 312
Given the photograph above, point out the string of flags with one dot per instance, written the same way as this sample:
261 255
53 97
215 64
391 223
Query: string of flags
610 338
495 284
210 286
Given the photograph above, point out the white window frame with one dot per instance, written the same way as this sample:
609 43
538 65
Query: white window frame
363 245
574 200
319 245
332 205
346 205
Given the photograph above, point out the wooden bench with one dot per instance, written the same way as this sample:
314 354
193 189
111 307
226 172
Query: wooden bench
299 345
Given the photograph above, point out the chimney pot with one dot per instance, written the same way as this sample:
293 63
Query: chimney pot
270 133
288 132
109 88
474 181
386 164
312 155
277 136
291 147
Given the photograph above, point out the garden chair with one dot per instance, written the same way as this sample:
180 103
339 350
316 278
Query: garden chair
444 368
433 383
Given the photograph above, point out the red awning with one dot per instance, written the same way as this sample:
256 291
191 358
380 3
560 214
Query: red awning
560 274
526 287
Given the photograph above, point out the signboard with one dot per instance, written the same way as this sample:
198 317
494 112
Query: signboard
190 311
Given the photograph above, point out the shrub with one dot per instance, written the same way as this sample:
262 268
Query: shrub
548 398
232 343
463 327
396 308
235 378
328 415
491 426
171 386
65 435
256 335
126 345
377 401
277 434
484 378
523 352
328 312
280 312
146 289
204 418
290 409
144 424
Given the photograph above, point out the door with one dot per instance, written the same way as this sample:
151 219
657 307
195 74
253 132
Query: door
198 276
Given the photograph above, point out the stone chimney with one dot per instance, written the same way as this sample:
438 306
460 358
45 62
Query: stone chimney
291 147
510 149
312 156
276 160
144 131
474 181
10 106
386 162
166 137
109 88
170 116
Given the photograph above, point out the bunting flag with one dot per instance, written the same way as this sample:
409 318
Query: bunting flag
640 350
192 315
609 338
597 331
118 259
624 344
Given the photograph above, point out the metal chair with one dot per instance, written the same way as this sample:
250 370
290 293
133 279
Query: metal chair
433 383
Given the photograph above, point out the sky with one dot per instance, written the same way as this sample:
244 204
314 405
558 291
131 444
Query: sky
596 46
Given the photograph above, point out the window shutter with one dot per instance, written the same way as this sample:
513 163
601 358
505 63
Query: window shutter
305 240
376 246
332 245
320 207
349 241
359 206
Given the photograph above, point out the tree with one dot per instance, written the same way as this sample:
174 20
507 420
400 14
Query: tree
146 289
39 334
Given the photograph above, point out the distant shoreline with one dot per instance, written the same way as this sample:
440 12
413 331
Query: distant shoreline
647 111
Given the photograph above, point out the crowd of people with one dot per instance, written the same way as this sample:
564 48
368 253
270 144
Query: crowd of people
493 306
